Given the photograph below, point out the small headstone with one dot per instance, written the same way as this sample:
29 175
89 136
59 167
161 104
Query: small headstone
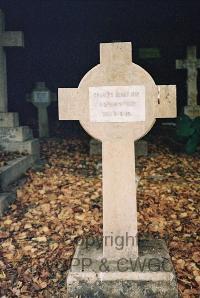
191 64
41 97
117 102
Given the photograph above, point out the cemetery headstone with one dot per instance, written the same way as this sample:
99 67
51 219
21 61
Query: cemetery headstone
12 136
41 97
7 39
191 64
117 102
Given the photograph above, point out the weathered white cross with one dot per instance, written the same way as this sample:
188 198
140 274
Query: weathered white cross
117 102
191 64
7 39
41 97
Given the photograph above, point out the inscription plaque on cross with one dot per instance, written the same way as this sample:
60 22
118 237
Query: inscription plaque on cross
117 102
7 39
191 64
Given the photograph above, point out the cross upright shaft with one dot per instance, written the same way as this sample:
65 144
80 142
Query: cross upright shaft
7 39
119 199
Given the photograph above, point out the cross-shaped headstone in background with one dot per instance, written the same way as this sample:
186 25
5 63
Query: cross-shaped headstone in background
191 64
41 97
117 102
7 39
13 137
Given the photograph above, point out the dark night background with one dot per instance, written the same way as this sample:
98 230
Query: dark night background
62 41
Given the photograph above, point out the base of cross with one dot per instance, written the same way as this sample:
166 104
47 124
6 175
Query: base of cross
14 137
150 275
192 111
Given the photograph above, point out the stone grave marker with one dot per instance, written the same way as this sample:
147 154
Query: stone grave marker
191 64
12 136
117 102
7 39
41 97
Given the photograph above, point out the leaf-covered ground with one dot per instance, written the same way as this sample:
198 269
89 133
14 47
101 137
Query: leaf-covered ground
63 201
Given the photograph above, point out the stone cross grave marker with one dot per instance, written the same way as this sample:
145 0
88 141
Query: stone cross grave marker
13 137
41 97
191 64
117 102
7 39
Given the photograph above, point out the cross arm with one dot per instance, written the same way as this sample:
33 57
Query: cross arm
70 103
12 39
166 104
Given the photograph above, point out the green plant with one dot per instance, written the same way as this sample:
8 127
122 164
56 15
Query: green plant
188 131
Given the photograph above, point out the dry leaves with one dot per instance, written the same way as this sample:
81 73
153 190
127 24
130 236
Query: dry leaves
53 209
61 203
168 202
